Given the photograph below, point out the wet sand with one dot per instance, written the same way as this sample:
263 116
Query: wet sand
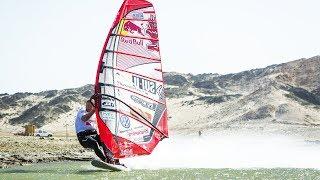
21 150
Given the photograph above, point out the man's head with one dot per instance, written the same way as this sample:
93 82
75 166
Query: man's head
89 106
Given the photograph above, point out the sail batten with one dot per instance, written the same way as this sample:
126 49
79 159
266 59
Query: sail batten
155 59
131 112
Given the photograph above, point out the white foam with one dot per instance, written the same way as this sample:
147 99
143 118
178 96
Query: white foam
232 151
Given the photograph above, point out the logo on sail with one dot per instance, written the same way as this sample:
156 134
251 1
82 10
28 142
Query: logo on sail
132 28
151 106
144 84
125 121
132 41
137 15
108 103
153 33
108 116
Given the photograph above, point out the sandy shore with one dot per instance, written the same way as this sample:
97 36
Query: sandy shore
21 150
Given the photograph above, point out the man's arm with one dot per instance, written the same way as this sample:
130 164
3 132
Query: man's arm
87 116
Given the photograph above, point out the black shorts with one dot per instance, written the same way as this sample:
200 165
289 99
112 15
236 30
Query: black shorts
83 136
90 139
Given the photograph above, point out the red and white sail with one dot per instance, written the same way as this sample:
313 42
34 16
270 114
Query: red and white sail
132 112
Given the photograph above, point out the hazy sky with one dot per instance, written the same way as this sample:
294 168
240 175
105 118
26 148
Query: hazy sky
55 44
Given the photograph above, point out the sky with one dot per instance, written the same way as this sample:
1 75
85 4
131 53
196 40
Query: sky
55 44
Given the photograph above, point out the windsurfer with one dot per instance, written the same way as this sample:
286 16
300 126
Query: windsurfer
87 134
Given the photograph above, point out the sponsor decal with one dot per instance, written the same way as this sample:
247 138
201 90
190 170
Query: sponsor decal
132 28
108 103
152 31
146 29
151 106
125 121
138 127
137 133
144 84
126 149
108 116
152 17
132 41
129 86
126 152
137 15
153 45
160 92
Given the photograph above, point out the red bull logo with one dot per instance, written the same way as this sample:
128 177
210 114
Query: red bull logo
150 29
153 33
153 45
152 17
132 41
131 27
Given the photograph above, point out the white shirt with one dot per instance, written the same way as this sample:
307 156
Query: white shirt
81 125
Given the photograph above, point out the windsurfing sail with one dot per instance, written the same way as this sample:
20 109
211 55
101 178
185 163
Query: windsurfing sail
131 111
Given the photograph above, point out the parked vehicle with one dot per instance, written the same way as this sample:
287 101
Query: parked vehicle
42 133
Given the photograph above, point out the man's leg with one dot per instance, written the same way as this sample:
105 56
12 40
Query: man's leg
89 142
107 152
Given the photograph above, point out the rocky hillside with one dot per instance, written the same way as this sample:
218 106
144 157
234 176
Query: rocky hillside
55 108
281 98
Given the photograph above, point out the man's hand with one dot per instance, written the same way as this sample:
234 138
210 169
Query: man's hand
95 96
87 116
93 108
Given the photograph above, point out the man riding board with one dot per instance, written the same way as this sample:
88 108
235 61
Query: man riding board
88 137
